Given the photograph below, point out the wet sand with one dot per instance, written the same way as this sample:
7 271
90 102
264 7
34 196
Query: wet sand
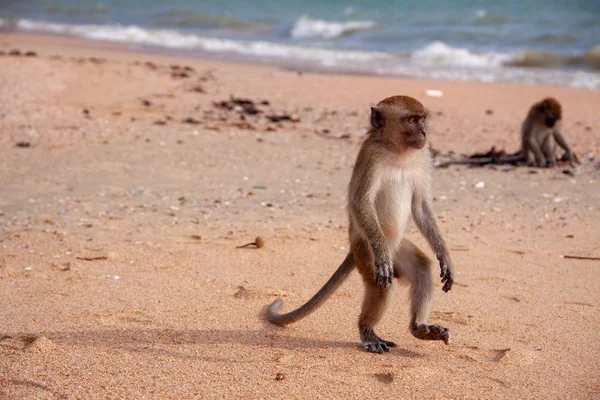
124 192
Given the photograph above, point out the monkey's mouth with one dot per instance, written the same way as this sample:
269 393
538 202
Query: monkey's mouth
550 122
419 142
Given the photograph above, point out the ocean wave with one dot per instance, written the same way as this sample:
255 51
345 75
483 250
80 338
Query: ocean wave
177 40
592 57
555 38
350 12
306 27
436 60
440 54
579 79
186 18
98 8
536 58
485 17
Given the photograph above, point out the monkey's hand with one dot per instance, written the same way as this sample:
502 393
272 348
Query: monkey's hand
570 157
446 272
384 270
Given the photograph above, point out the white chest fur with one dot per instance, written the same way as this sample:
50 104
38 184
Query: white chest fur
397 184
393 204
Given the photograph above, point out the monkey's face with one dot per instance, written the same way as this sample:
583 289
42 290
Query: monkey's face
551 111
399 121
413 130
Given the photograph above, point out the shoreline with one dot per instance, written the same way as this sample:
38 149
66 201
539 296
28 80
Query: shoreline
521 69
527 93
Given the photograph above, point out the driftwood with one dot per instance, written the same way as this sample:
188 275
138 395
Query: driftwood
496 157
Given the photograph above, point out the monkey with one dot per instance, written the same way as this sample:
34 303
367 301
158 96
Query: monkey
541 131
391 179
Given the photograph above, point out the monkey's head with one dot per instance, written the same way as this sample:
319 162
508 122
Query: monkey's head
551 111
401 122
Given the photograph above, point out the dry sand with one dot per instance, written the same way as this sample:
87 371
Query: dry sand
119 273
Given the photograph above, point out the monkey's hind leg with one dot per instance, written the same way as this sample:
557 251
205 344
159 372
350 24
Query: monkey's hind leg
374 302
411 263
549 150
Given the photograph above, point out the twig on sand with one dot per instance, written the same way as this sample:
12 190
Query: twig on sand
581 257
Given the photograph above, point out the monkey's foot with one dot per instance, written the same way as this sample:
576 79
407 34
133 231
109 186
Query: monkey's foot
373 343
430 332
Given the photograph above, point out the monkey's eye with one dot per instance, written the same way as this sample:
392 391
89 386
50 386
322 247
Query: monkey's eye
412 120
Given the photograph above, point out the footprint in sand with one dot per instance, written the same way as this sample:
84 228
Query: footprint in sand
505 356
386 377
454 317
27 343
243 293
117 317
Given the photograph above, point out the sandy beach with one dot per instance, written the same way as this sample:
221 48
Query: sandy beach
126 183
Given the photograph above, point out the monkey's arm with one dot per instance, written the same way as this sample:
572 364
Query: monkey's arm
560 140
425 221
364 185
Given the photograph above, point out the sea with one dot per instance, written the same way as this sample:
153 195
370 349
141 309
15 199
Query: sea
528 41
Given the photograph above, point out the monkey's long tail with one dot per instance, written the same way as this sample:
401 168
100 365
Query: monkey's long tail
338 277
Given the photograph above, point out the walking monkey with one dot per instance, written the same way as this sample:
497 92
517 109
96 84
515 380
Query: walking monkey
390 181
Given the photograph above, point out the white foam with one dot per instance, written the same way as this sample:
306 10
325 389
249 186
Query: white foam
439 53
437 60
580 79
306 27
177 40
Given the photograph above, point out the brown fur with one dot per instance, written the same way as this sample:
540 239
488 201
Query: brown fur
541 132
390 181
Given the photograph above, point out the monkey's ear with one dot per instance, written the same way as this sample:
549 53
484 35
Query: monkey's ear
377 120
